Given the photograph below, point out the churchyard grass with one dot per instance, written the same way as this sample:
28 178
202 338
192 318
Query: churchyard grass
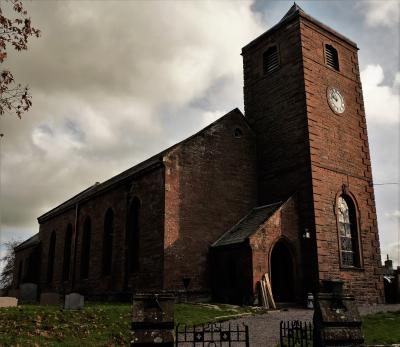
95 325
109 324
382 328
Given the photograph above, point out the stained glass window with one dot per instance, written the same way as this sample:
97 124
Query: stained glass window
347 232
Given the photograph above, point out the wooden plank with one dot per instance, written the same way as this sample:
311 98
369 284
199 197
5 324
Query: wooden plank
263 294
270 297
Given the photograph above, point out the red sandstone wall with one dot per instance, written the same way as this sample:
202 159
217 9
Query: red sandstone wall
275 106
59 225
29 257
283 224
149 189
210 184
340 155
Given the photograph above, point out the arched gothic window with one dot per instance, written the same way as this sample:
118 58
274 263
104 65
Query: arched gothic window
133 233
85 254
67 252
108 241
348 232
50 258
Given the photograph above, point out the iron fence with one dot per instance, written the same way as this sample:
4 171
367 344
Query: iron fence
212 335
296 333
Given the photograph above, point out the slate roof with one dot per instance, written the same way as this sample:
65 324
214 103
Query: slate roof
32 241
248 225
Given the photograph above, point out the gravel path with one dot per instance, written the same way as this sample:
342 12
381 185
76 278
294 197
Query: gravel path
264 329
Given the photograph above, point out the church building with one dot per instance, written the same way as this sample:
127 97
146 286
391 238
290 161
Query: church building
284 190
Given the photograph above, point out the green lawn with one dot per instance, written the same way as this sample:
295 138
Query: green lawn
109 324
95 325
382 328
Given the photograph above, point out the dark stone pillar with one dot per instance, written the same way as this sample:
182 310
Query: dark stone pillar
337 321
153 320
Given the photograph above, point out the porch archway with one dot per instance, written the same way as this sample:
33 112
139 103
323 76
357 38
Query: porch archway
282 273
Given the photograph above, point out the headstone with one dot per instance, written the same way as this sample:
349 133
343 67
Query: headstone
7 301
74 301
28 293
49 299
337 321
153 320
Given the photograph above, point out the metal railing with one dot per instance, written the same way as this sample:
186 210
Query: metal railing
212 335
296 333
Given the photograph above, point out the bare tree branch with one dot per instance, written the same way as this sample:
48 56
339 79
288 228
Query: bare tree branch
14 32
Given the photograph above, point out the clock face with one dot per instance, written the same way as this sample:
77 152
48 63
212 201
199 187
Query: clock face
335 100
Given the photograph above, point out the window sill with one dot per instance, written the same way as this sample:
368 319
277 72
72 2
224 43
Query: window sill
351 268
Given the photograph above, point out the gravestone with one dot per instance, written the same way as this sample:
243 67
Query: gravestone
49 299
7 301
28 293
74 301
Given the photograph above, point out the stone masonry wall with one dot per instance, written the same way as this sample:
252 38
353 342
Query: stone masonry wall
275 106
28 261
149 189
282 225
210 185
340 156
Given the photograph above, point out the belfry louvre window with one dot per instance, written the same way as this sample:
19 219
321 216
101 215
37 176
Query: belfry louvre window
332 59
347 223
271 59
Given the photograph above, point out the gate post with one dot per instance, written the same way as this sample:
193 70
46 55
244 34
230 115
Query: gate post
337 321
153 320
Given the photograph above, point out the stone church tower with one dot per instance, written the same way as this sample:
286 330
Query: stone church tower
303 98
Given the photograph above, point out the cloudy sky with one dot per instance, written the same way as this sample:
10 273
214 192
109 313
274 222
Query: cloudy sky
114 82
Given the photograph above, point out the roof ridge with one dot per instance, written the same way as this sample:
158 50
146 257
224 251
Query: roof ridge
26 242
294 9
268 205
253 220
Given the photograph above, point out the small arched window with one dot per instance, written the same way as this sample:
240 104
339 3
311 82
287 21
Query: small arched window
67 252
50 258
332 58
133 235
271 59
85 255
108 241
348 232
